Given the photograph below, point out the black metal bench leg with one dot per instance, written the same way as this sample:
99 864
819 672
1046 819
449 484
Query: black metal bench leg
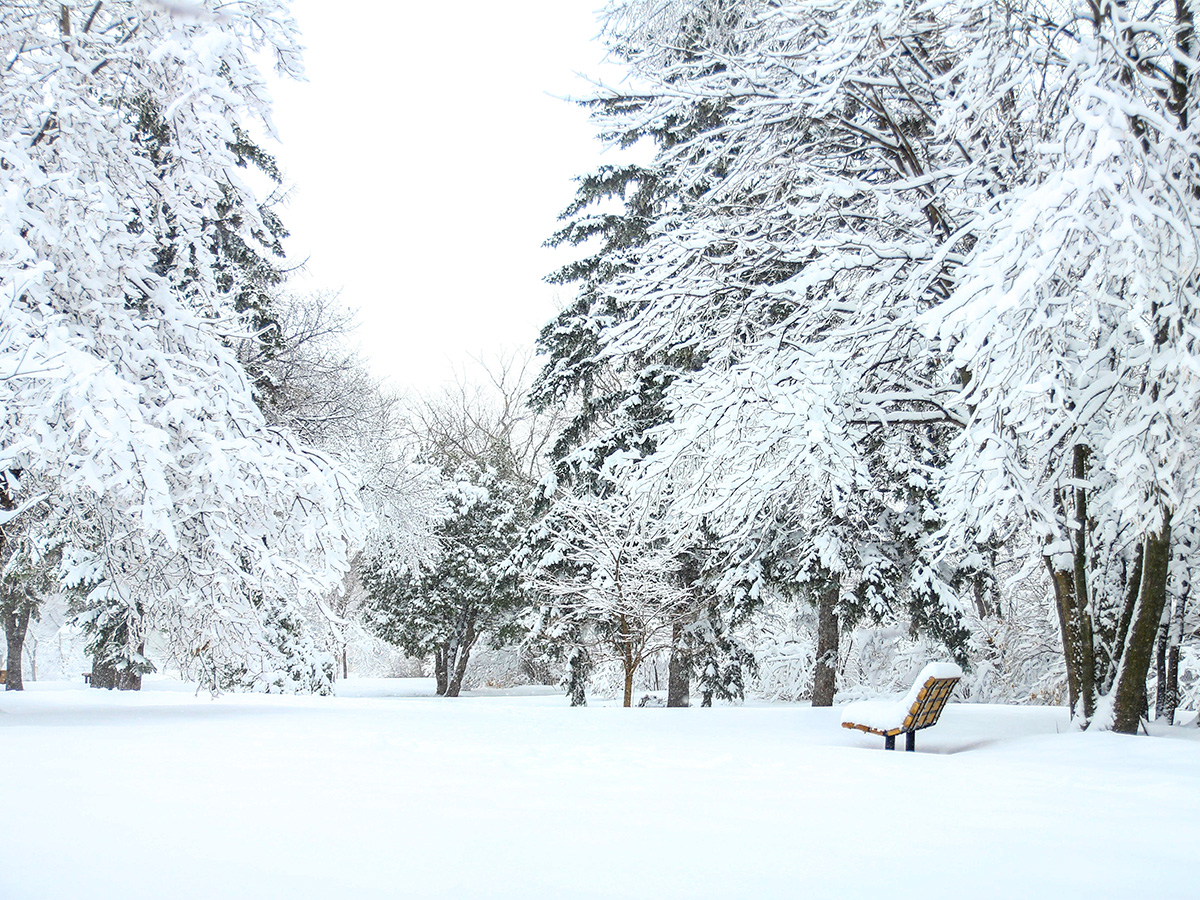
889 742
910 741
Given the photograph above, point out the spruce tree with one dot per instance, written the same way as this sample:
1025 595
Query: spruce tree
441 607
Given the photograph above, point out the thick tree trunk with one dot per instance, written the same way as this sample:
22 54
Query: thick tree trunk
1129 696
579 666
1075 625
679 684
128 680
1064 585
112 678
456 663
629 659
458 673
1071 594
825 677
16 623
978 590
103 676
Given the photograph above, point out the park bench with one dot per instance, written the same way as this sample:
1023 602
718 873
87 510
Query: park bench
920 708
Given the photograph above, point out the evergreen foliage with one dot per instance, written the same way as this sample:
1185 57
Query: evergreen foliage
924 276
469 588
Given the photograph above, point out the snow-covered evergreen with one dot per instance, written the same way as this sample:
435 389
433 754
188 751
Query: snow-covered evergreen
931 269
126 239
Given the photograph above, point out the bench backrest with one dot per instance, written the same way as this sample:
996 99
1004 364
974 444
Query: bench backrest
930 702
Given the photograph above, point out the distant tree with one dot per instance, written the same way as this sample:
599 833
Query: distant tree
441 607
486 422
609 586
315 383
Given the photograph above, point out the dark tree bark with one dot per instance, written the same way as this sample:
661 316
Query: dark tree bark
629 658
345 664
1172 688
1174 639
1071 594
103 676
439 671
579 666
1087 672
825 678
16 624
1133 587
1064 603
458 654
679 670
458 666
128 680
1129 700
979 592
1160 667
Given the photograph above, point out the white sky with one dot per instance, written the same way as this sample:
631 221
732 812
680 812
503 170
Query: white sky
429 161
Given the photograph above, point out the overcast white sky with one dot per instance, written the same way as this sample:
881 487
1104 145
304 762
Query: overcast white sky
430 159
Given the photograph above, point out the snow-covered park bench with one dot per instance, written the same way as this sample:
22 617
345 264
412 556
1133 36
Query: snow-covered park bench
920 708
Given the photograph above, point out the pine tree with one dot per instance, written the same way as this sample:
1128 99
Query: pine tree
470 588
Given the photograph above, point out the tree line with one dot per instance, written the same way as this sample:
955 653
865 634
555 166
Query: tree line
882 323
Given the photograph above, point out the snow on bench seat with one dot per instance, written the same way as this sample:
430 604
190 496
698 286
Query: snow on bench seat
921 707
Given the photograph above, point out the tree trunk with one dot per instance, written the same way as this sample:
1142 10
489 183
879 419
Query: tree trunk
16 623
1172 692
1133 587
1175 638
1083 614
103 676
678 670
978 591
456 664
129 680
1071 593
439 671
110 678
1078 653
579 666
1160 666
1129 696
458 672
825 678
628 658
345 664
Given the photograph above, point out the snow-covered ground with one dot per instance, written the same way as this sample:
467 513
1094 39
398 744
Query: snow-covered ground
388 791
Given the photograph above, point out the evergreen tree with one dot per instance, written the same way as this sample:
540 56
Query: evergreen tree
127 264
441 607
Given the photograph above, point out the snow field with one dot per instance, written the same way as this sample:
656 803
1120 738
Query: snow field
392 792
